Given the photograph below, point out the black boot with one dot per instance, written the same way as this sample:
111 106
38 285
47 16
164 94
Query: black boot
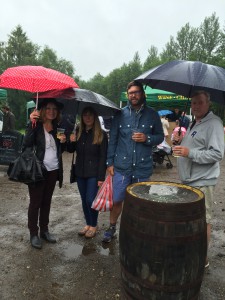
48 237
35 242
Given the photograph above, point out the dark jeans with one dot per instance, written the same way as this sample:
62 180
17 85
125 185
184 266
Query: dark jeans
40 203
88 189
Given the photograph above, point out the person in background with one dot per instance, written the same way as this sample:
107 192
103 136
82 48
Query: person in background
67 122
200 151
8 119
135 129
165 126
107 122
175 116
184 121
102 123
178 129
49 149
90 144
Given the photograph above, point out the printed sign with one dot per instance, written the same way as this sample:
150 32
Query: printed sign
10 146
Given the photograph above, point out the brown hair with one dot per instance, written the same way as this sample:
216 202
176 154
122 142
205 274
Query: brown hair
135 83
43 110
97 131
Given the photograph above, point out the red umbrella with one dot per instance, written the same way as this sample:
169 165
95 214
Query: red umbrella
35 79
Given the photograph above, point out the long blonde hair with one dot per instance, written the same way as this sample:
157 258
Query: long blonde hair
97 130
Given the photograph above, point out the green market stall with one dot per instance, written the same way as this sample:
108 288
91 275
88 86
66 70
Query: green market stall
3 95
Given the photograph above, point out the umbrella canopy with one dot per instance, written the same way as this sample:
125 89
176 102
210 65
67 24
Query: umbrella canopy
35 79
82 98
184 77
164 112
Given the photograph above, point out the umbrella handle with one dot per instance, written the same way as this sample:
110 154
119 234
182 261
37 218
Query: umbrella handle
34 123
37 101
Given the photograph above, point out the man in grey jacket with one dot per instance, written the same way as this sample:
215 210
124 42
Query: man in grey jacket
200 151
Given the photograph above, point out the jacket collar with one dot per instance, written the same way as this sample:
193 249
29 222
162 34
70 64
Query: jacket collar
139 110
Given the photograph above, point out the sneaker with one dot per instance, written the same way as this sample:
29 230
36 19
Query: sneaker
109 234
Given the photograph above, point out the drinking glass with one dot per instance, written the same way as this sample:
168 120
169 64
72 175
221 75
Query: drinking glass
60 131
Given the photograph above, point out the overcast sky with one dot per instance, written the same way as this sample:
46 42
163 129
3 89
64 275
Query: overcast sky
101 35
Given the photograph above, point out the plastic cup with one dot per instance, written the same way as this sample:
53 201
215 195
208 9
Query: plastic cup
174 152
134 131
60 131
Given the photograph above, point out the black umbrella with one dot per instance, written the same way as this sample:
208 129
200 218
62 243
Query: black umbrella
75 100
184 77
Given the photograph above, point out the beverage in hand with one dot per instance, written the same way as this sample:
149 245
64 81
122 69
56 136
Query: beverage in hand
60 131
175 151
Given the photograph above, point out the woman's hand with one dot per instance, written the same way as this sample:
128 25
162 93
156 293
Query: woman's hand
35 115
62 138
73 137
100 183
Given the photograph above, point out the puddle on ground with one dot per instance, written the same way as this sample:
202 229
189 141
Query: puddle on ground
219 235
75 250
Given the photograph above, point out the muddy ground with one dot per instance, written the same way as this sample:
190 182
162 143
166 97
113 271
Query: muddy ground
76 268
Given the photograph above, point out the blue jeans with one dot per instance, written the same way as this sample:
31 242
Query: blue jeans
88 189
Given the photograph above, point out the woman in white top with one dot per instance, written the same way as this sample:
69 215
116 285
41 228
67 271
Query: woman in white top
43 136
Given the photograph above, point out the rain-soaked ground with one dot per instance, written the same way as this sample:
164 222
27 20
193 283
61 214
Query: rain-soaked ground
76 268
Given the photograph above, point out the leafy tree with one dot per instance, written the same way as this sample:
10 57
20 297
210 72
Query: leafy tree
20 50
187 39
48 58
96 84
210 38
2 57
219 58
206 43
66 67
152 60
117 80
170 51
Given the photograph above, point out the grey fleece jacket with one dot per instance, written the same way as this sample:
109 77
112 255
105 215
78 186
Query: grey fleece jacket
206 144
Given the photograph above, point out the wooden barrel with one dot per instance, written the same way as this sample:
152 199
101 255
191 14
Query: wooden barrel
163 241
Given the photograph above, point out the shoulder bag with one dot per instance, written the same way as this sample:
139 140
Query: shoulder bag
72 171
27 168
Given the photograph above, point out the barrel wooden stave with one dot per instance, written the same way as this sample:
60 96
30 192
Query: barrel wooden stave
162 249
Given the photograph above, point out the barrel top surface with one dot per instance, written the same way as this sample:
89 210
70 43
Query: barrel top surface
166 192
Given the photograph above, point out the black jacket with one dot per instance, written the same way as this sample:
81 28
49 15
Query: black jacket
36 137
90 158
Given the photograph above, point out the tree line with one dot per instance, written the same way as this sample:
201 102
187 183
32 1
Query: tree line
205 43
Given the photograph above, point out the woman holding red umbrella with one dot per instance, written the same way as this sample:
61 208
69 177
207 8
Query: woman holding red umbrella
43 136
